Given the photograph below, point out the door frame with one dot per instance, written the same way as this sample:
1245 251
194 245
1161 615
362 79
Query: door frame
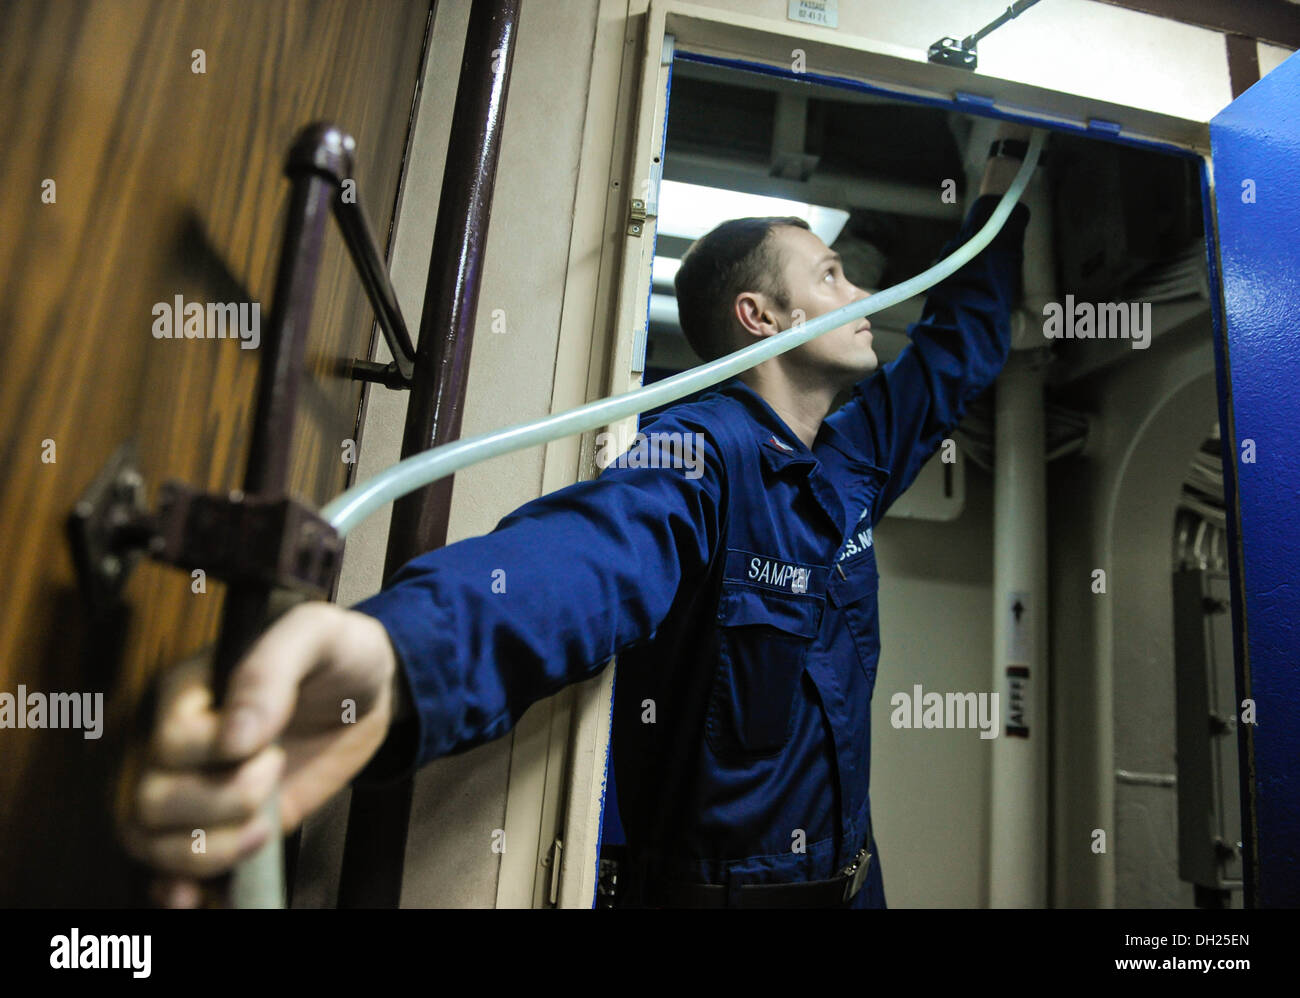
739 41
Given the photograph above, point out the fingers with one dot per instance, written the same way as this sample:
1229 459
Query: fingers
187 799
176 892
185 732
193 803
198 853
183 736
263 689
196 824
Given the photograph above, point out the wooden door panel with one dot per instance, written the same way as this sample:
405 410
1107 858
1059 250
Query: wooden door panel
166 182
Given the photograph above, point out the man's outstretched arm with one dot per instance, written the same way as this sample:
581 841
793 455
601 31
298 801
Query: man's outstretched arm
488 626
477 631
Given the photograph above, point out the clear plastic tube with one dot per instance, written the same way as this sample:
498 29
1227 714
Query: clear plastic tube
365 498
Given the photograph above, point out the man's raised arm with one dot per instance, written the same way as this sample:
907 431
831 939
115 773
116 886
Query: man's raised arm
899 415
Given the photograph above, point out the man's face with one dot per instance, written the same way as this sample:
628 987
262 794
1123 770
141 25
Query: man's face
815 284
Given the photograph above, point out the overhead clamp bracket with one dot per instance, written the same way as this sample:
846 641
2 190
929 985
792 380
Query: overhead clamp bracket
949 52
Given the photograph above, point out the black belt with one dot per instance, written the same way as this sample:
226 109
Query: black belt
834 893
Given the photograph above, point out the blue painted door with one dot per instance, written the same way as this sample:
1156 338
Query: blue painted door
1255 148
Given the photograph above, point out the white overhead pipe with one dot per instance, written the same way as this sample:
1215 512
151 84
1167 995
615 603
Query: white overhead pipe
1018 822
1018 807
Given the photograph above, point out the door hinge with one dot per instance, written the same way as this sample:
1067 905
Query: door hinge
636 217
643 208
557 849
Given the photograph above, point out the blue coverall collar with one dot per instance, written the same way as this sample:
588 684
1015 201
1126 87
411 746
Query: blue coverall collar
781 446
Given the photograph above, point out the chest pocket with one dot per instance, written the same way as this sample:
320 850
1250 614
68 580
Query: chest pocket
763 641
853 588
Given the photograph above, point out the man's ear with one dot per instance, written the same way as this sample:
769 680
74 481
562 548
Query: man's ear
756 315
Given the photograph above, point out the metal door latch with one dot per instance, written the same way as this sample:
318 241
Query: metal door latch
272 541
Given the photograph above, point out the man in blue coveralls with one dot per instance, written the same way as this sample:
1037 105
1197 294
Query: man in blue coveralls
737 590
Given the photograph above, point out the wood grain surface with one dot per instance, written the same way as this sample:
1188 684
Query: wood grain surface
167 182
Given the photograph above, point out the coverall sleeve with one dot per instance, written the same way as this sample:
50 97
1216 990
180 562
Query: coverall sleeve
486 626
900 415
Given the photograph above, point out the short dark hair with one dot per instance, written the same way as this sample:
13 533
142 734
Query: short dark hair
734 257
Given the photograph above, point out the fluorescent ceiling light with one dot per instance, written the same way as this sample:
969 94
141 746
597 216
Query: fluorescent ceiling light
664 269
691 210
